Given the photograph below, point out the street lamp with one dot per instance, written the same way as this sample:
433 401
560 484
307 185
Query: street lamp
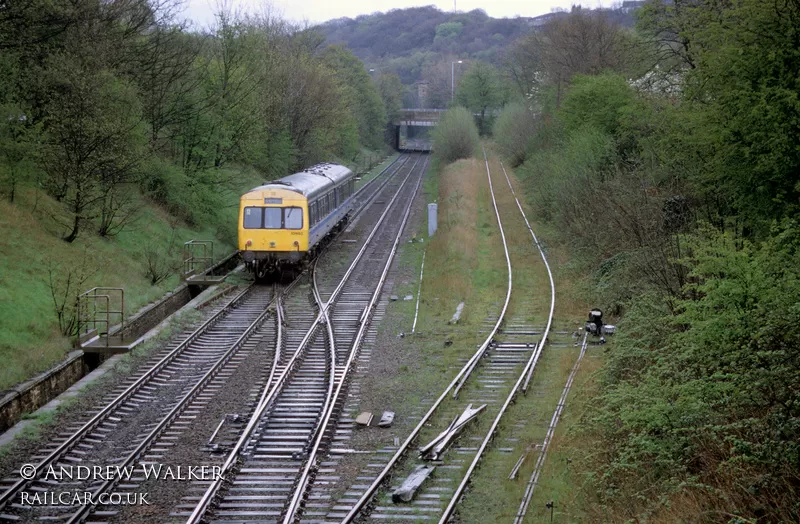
453 79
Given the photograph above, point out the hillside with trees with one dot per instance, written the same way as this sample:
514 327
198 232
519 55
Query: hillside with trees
420 43
116 120
666 161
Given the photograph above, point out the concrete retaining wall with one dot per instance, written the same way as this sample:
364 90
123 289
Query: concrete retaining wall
30 395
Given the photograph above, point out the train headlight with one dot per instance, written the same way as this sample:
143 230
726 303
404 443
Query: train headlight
297 245
248 243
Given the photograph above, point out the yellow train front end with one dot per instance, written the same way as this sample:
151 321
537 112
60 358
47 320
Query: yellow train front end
273 228
283 220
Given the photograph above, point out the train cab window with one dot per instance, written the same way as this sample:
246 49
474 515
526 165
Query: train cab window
272 217
293 218
312 213
252 218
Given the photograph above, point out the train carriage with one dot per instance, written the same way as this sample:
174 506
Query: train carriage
283 221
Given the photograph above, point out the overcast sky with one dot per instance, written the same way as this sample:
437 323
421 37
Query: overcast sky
201 11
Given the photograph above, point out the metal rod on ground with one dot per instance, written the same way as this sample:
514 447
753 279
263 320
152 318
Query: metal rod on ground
419 291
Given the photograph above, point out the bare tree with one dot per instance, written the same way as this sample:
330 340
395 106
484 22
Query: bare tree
94 141
583 42
65 284
159 261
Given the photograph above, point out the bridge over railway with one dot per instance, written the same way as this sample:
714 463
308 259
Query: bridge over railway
413 126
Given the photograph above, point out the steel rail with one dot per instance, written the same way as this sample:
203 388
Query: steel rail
330 398
465 370
549 274
472 364
134 388
524 377
551 430
173 414
271 393
233 456
303 482
460 489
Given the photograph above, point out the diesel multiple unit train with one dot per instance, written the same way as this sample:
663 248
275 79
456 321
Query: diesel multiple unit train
283 221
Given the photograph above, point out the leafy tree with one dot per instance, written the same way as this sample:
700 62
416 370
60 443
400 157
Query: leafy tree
596 101
479 91
391 91
93 145
360 95
455 136
18 144
448 30
581 42
514 131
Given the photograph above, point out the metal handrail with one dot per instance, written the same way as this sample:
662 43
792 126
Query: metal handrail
88 300
190 261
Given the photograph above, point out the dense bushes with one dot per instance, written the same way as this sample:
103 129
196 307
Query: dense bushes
680 202
514 131
709 399
456 136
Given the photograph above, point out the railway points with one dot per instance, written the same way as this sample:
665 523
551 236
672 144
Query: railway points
273 408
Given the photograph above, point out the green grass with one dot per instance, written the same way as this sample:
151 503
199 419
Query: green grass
477 275
376 170
42 421
30 340
495 498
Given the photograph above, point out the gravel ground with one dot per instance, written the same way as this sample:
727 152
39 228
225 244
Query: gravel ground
187 449
376 383
239 395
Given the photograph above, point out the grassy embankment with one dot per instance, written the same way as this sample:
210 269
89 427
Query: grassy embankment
30 340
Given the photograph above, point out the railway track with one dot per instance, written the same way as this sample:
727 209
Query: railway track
275 461
126 427
500 368
141 420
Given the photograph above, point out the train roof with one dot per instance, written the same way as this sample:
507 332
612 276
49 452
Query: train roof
312 181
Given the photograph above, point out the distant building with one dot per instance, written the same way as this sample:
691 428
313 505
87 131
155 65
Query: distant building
628 6
541 20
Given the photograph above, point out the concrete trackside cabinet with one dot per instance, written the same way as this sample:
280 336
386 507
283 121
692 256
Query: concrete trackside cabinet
432 209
